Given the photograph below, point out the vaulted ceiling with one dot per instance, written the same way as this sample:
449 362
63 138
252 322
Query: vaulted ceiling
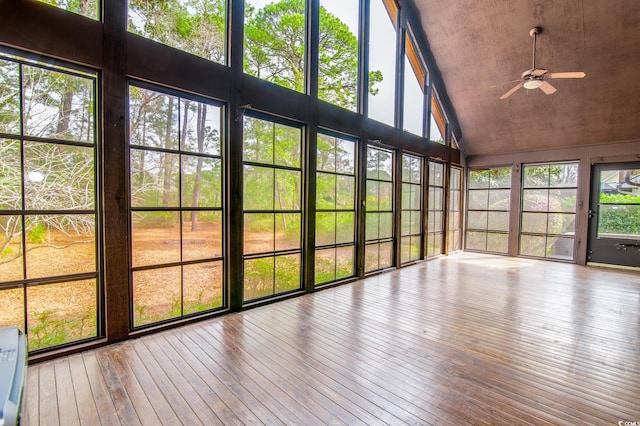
482 47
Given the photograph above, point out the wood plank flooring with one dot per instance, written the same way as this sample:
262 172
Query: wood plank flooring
465 339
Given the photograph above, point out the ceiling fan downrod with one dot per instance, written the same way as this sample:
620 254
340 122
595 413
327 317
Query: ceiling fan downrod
534 33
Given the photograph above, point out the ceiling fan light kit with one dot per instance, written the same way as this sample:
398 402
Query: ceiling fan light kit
536 78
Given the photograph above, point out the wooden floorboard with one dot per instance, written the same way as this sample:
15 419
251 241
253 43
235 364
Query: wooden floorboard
464 339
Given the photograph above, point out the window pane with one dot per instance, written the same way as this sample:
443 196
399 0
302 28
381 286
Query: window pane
326 154
201 182
88 8
258 278
500 177
154 179
200 127
533 245
197 27
435 134
563 175
325 191
287 273
477 220
560 248
345 227
478 179
274 38
386 255
385 196
566 200
259 231
61 313
386 225
344 262
202 287
288 187
12 253
258 188
12 302
288 231
11 175
535 223
155 238
413 116
153 119
535 200
499 199
560 223
58 177
201 235
156 295
371 257
345 196
325 266
476 240
57 105
382 64
478 199
373 199
536 176
258 140
325 228
345 156
372 226
69 239
498 243
338 61
10 96
498 221
287 145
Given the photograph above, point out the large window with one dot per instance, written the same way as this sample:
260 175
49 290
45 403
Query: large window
548 210
195 26
88 8
414 83
335 209
382 60
435 216
176 206
49 280
411 212
489 198
274 41
379 204
455 209
339 53
272 208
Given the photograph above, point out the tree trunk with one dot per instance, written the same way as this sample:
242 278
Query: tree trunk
202 119
65 113
167 167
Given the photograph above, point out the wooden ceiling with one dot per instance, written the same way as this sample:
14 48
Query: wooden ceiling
482 46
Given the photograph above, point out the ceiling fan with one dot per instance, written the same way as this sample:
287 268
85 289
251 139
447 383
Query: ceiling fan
536 78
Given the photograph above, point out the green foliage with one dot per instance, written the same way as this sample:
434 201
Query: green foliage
619 198
52 329
194 26
37 234
86 8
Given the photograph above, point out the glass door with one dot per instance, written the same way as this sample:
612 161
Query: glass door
614 215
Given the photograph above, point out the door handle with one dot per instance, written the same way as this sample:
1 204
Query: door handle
625 246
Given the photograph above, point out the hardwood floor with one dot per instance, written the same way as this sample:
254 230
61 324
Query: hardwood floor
465 339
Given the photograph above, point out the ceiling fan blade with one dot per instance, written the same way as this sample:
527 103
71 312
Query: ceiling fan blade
577 74
510 92
538 72
547 88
